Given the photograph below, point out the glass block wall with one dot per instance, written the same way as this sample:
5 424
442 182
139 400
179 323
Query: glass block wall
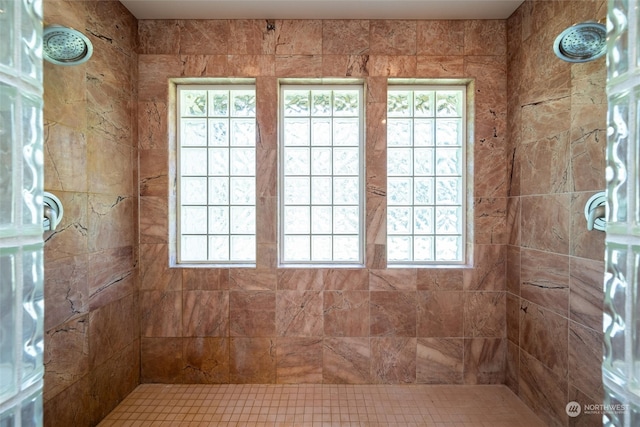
21 267
621 364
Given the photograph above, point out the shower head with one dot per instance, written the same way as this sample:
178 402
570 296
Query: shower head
582 42
65 46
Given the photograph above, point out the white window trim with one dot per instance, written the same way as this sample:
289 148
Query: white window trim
324 84
183 84
467 201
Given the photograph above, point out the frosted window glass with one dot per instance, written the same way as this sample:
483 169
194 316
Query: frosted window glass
425 175
321 174
217 174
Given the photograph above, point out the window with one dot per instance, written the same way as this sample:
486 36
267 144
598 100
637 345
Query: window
216 174
321 170
426 166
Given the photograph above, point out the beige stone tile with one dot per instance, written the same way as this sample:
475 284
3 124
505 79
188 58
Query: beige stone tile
587 295
252 313
585 359
158 36
301 279
484 314
206 279
545 223
251 65
70 238
299 314
397 279
152 126
252 279
440 37
161 313
513 269
252 360
440 279
513 318
345 37
205 313
205 66
304 66
298 37
489 273
393 314
251 37
440 314
346 361
66 291
339 279
110 222
153 175
204 36
154 217
155 273
298 360
490 220
392 65
206 360
484 360
154 72
65 158
440 66
393 360
345 65
161 360
545 280
439 360
392 37
107 336
477 32
346 313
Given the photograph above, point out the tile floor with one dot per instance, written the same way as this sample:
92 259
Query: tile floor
321 405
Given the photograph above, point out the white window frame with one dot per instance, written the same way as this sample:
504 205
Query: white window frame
464 172
246 85
331 85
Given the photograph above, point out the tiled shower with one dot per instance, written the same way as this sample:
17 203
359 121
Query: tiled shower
527 313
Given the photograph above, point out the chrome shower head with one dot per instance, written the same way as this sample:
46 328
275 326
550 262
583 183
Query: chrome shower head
582 42
65 46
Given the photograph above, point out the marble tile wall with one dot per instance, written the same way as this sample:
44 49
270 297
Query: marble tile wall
557 138
92 343
369 325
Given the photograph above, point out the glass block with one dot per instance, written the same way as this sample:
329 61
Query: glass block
31 411
219 103
296 161
321 248
321 161
449 132
399 162
346 248
321 131
321 220
218 132
193 103
399 191
244 103
243 220
31 41
399 103
218 163
423 248
8 134
448 248
449 103
617 39
32 172
296 103
218 191
634 319
611 418
346 132
399 220
194 133
346 220
346 161
398 132
423 222
297 220
32 315
617 158
7 35
193 161
296 248
423 133
194 191
321 102
193 248
423 161
243 161
346 191
423 101
296 131
193 220
9 418
219 248
614 318
448 220
422 191
8 319
346 103
243 132
296 190
243 191
218 220
243 248
321 190
449 191
399 248
449 161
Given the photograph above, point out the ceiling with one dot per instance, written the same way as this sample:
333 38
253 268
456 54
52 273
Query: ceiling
322 9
